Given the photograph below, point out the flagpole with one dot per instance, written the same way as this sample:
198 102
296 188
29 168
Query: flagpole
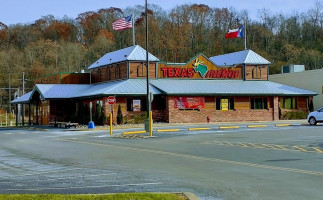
245 35
133 30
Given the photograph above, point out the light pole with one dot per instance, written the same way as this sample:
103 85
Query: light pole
149 114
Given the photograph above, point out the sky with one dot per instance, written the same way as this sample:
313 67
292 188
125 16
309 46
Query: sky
27 11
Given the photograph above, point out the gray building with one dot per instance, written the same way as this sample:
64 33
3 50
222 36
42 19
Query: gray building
309 80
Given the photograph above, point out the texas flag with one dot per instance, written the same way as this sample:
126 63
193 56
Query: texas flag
235 33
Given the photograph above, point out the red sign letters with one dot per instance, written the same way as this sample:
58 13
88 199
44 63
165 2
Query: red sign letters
174 72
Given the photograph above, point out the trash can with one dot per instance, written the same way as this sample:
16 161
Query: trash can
91 125
146 124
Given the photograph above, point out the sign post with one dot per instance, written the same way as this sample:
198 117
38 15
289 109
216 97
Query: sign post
91 123
111 102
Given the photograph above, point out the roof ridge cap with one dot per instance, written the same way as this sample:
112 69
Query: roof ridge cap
248 54
133 50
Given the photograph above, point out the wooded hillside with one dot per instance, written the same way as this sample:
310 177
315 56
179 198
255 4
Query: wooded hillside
67 45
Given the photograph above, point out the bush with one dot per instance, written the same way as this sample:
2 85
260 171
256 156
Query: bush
294 115
140 118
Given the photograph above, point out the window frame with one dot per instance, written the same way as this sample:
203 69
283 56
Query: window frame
264 103
143 71
293 103
143 104
117 71
256 72
218 103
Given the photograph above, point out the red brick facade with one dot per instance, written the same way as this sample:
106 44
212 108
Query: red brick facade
240 113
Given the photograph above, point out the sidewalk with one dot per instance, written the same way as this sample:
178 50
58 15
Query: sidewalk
244 123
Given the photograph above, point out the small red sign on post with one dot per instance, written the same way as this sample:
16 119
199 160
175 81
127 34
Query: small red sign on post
111 100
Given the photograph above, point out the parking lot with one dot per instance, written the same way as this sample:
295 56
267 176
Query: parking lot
272 162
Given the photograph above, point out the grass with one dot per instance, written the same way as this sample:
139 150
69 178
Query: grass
126 196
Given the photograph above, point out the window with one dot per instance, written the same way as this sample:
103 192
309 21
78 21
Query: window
100 74
289 103
224 103
109 73
137 103
117 71
258 103
256 72
141 70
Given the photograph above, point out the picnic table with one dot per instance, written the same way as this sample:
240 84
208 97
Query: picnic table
64 124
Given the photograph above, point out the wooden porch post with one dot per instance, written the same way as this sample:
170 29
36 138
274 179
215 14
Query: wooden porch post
275 108
37 107
23 115
29 111
16 114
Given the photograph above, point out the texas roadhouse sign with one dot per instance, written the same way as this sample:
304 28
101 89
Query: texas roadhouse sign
198 68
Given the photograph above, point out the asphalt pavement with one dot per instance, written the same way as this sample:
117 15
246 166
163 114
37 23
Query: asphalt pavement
260 162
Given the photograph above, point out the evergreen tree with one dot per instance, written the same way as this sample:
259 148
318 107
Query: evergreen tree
119 116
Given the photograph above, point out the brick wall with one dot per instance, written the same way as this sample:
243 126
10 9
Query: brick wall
243 113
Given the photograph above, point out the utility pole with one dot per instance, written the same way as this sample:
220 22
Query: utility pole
9 91
149 112
147 61
23 83
23 92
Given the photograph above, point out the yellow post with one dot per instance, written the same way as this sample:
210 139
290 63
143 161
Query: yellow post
110 123
150 123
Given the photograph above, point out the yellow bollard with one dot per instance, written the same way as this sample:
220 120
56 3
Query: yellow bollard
111 123
150 123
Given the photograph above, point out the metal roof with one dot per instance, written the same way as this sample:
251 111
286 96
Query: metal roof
133 87
60 91
133 53
23 99
121 87
241 57
71 91
227 87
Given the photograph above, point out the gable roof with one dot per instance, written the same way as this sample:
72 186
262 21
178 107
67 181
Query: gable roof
133 53
248 57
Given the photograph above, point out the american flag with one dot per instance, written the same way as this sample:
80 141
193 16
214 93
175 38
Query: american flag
122 24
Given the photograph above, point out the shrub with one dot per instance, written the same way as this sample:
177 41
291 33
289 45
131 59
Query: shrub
140 118
119 116
294 115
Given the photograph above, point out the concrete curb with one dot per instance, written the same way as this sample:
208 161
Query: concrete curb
190 196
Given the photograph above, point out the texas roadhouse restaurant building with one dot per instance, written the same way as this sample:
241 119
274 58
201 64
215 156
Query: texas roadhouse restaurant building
230 87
